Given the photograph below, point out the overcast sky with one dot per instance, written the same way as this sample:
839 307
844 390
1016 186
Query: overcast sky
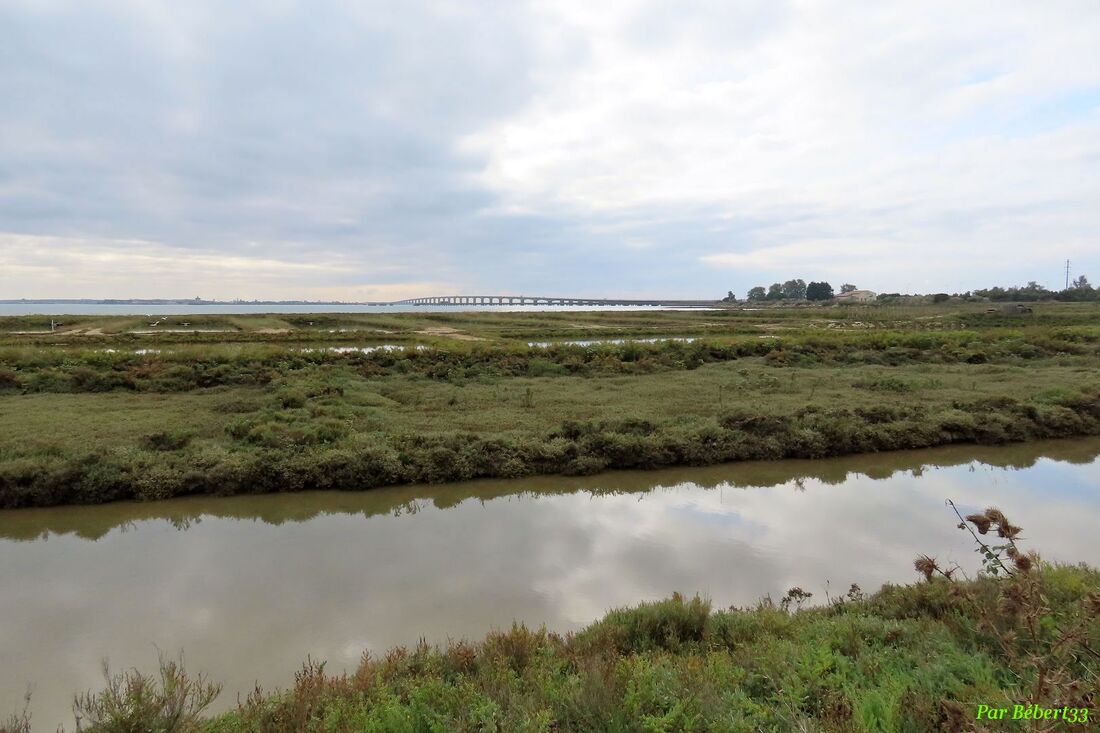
366 150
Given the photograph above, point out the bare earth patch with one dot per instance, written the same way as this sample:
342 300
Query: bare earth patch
181 330
448 332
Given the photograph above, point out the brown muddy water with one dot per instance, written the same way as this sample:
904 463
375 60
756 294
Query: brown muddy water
249 586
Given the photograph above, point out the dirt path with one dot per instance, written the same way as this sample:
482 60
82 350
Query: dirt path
448 332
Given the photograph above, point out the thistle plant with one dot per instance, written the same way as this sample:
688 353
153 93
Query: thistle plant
1051 652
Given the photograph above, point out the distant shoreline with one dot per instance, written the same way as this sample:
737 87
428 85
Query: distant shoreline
178 301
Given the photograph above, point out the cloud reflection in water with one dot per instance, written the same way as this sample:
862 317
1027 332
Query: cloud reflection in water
248 586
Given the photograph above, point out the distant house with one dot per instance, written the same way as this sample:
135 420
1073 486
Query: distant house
856 296
1010 308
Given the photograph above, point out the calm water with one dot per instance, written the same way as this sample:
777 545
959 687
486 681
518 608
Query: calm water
249 586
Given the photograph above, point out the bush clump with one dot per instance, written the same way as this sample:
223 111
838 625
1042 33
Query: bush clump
164 440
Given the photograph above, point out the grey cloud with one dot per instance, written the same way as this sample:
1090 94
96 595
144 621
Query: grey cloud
647 138
309 125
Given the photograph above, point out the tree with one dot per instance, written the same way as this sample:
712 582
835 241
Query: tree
819 291
730 297
775 292
757 293
794 289
847 288
1080 289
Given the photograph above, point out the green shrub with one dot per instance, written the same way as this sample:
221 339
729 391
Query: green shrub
292 398
9 380
671 624
163 440
172 702
584 465
883 384
537 367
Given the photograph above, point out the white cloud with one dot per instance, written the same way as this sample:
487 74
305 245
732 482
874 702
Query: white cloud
887 131
37 266
687 148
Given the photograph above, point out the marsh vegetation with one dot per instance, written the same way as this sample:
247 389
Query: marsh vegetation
266 404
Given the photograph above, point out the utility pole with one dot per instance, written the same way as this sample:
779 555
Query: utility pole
1067 274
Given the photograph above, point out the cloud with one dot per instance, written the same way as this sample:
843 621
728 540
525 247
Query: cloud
795 255
98 268
835 132
572 147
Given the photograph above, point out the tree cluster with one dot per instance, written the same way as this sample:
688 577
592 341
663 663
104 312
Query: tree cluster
797 289
1079 290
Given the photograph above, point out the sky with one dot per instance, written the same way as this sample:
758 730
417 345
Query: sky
268 149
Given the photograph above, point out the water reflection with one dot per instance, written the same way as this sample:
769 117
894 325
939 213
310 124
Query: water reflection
595 342
362 349
249 586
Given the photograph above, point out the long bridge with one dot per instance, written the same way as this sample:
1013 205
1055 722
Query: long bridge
506 300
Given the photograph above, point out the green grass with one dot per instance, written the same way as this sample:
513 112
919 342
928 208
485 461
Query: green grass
259 412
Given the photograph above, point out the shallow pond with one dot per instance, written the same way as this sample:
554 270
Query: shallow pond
248 586
614 342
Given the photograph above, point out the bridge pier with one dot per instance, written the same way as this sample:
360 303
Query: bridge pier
522 300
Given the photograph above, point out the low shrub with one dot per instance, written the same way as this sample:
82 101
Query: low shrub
884 384
171 702
163 440
672 624
9 380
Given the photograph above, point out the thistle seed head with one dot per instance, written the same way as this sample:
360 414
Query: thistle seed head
981 521
926 566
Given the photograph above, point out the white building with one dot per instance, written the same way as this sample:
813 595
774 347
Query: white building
856 296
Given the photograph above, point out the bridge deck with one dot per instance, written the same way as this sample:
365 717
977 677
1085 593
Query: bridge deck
505 300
